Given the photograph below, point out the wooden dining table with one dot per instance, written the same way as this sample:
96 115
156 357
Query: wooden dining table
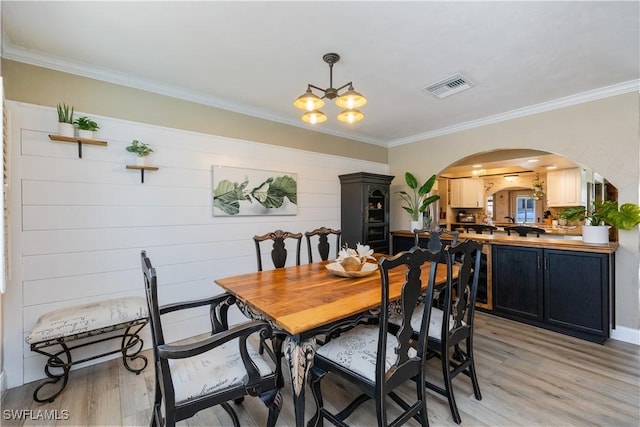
307 300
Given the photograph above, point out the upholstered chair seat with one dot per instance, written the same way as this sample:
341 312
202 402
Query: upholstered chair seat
214 371
357 350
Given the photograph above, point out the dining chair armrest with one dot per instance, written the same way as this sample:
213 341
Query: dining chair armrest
241 332
218 312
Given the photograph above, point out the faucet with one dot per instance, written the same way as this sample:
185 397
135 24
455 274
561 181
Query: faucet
513 221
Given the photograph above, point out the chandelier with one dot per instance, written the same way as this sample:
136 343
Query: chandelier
350 100
537 188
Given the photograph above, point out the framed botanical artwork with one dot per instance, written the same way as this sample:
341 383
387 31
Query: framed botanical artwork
238 191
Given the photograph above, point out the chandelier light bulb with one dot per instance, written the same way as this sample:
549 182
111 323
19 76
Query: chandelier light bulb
309 104
314 117
351 99
350 116
308 101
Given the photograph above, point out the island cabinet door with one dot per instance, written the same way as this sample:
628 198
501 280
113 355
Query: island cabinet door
576 291
517 282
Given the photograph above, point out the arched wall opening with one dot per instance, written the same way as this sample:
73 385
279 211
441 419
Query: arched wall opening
515 185
601 135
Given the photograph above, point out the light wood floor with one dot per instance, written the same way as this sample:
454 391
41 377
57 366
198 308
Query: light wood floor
528 377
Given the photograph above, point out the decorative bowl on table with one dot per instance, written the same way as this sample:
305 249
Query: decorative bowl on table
353 262
337 269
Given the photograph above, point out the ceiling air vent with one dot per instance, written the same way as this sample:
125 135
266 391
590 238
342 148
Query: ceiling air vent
445 87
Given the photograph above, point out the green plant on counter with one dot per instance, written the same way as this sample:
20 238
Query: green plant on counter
420 199
139 148
65 113
85 123
606 213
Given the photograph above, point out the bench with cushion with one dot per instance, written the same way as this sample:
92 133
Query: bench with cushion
55 333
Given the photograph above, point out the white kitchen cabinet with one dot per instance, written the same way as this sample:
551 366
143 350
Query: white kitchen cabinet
466 193
566 187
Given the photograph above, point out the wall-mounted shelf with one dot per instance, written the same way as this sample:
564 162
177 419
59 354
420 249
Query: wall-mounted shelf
79 141
142 169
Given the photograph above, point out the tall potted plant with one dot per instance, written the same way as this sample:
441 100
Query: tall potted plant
418 200
65 120
601 217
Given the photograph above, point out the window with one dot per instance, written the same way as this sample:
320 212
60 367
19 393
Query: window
525 209
489 210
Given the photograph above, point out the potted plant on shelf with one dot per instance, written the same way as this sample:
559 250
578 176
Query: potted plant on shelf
65 120
419 200
140 149
601 217
86 127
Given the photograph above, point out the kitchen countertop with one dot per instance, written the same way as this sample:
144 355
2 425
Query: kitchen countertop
536 242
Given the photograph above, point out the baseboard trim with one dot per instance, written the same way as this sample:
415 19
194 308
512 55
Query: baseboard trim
622 333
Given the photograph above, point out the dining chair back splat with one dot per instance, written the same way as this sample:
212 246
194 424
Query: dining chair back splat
323 234
458 305
208 371
435 240
375 359
279 250
523 230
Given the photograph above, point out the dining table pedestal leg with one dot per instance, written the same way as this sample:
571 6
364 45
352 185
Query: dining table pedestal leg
299 354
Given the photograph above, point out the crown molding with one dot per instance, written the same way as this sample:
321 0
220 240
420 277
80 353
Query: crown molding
592 95
16 53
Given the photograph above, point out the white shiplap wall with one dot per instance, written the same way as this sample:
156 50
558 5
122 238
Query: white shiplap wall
78 225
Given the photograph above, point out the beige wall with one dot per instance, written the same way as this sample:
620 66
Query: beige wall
42 86
602 135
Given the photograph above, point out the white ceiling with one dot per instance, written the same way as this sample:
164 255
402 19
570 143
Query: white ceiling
257 57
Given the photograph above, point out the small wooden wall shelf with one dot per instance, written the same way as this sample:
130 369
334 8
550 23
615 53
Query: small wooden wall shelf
142 169
79 141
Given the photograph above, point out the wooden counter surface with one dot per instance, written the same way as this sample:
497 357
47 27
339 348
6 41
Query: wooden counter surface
532 242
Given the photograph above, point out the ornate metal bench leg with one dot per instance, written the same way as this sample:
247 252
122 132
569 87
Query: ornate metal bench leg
129 342
54 362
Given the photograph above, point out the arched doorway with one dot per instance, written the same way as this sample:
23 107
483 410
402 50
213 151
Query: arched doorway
516 186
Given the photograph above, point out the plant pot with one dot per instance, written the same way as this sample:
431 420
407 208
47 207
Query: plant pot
86 134
415 225
66 129
595 234
140 160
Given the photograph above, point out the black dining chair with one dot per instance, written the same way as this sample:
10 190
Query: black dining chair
323 234
480 228
452 340
375 359
208 371
279 255
524 230
279 249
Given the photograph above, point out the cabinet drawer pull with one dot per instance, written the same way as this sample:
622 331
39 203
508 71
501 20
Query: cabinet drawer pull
539 263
